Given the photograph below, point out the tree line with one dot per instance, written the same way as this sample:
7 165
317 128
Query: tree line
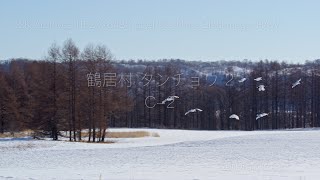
51 96
220 94
72 91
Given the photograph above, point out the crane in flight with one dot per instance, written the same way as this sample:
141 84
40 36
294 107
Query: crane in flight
296 83
234 116
258 79
193 111
261 115
170 98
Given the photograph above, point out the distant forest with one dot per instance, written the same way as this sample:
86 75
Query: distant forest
72 90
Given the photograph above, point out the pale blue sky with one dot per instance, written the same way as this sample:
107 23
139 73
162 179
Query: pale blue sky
145 29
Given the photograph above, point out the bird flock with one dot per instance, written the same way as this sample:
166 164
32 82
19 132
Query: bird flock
260 87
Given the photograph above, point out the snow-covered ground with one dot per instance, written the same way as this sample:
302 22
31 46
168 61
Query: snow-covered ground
176 154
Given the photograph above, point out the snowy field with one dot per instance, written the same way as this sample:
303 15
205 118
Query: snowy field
176 154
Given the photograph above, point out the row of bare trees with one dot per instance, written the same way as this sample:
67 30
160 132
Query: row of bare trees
54 96
286 107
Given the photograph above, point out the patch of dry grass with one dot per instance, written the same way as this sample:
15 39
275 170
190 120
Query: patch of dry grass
17 134
129 134
132 134
5 135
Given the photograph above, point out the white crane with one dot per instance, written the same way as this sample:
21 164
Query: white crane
193 111
296 83
170 98
242 80
234 116
261 87
258 79
261 115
